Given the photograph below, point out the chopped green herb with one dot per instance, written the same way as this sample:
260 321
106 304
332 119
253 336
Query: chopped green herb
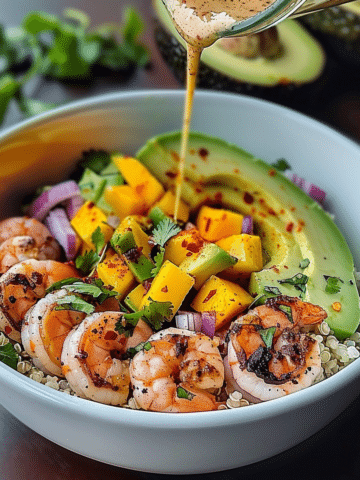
258 300
87 262
165 230
182 393
62 283
159 258
304 263
95 160
273 290
281 165
93 287
267 335
299 281
8 355
154 314
288 312
142 346
332 284
74 303
98 239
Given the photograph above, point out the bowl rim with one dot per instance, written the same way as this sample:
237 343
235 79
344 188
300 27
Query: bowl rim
159 420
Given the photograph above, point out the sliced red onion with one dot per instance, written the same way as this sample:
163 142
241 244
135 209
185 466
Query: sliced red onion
208 323
73 205
60 228
189 226
52 197
247 225
189 321
315 192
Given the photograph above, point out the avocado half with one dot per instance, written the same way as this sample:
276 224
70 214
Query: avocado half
282 78
338 28
238 180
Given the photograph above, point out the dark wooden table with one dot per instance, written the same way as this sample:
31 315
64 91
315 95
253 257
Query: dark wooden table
24 455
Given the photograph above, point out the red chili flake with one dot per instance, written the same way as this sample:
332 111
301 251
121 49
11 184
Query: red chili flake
282 211
189 254
209 295
91 205
208 223
272 172
271 211
224 217
198 190
292 209
111 335
218 197
7 329
193 166
165 289
203 153
248 198
194 247
285 266
289 227
171 174
175 156
261 201
236 170
184 243
236 189
262 214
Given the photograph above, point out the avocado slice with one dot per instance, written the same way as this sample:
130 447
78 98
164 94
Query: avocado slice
211 260
302 61
291 225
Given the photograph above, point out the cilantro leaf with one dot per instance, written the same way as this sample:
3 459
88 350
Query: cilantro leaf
267 335
182 393
281 165
332 284
87 262
132 351
273 290
288 312
98 239
304 263
165 230
154 314
8 355
93 287
62 283
159 258
74 303
299 281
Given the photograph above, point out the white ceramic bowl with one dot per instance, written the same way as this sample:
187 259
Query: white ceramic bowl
43 150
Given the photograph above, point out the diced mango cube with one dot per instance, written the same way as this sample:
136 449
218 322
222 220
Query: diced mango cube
114 271
247 248
124 200
134 298
223 297
170 285
87 220
186 243
167 206
139 178
214 223
131 224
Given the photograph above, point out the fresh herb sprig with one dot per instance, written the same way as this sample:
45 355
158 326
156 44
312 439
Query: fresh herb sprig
299 281
8 355
165 230
333 284
87 263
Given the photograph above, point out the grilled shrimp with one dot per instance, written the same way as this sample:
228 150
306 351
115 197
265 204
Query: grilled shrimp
177 372
22 285
269 355
93 358
44 330
42 246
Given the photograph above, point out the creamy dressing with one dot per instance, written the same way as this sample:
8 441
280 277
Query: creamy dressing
200 22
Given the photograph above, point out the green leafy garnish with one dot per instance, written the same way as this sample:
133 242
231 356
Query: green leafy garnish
154 314
87 262
74 303
182 393
165 230
98 239
288 312
95 160
134 350
267 335
332 284
304 263
93 287
158 259
8 355
281 165
299 281
272 290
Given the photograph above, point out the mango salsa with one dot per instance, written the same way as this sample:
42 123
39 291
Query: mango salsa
247 249
87 220
214 223
166 207
185 244
134 298
223 297
114 271
124 201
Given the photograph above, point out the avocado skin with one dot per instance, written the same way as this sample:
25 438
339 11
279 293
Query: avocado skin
275 204
287 94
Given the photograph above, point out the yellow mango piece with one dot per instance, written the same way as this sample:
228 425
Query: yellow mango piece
170 285
167 205
114 271
185 244
214 223
223 297
131 224
124 201
86 221
247 248
134 298
139 178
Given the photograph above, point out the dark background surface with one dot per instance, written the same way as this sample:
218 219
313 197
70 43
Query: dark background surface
332 453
